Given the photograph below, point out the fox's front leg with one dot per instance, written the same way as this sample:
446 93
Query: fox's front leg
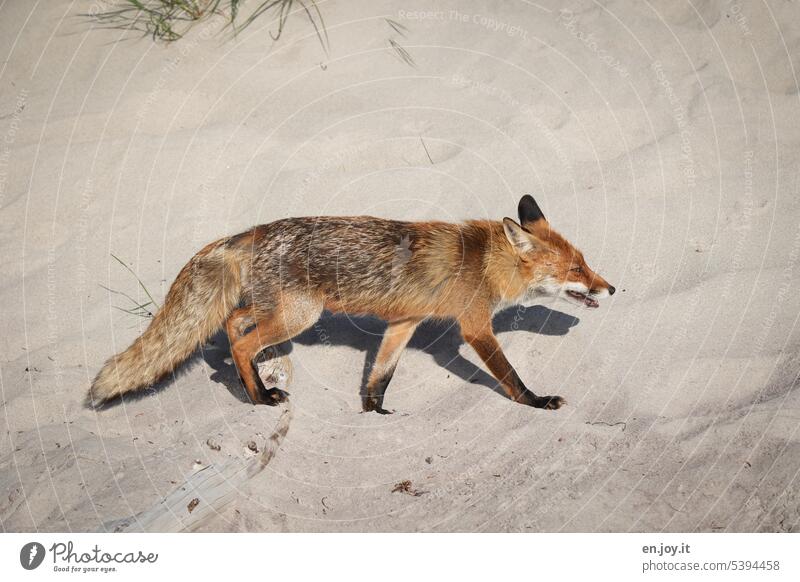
485 343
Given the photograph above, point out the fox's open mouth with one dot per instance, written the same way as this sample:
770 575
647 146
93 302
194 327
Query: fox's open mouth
587 301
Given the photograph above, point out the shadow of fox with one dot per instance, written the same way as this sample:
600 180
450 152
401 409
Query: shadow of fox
441 340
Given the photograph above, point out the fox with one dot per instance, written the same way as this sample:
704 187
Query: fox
270 283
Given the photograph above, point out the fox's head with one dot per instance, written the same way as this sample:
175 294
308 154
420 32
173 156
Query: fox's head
547 263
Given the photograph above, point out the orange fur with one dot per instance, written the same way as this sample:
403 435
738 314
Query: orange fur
270 283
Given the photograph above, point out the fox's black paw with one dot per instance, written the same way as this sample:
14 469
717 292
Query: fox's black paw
549 402
546 402
373 404
273 396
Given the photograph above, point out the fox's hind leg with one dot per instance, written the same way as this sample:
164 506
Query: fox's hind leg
394 340
251 330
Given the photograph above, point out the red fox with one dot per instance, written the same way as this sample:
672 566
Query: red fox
268 284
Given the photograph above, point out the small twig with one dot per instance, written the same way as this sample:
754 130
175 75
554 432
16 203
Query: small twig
405 487
673 508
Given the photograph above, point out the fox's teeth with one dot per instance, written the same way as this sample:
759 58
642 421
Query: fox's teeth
587 301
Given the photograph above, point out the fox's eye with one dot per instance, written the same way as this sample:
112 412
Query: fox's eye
577 269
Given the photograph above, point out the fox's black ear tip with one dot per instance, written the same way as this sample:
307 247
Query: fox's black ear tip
529 210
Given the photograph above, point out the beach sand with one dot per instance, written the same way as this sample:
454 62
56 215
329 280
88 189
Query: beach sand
661 138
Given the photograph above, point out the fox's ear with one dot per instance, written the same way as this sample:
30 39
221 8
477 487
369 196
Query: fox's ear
520 239
529 211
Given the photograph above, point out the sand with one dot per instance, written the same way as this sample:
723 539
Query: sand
662 138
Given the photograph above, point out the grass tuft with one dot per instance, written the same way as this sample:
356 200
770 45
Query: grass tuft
170 20
139 309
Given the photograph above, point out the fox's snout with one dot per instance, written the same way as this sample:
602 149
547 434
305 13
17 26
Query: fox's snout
602 289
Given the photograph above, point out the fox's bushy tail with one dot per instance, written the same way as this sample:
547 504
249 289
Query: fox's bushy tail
203 295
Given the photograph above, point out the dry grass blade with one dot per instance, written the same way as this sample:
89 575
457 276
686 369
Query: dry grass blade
321 30
138 309
396 26
138 280
402 53
430 159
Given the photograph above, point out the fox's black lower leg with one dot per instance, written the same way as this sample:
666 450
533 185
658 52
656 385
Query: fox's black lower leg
251 331
269 396
394 341
373 399
272 396
489 350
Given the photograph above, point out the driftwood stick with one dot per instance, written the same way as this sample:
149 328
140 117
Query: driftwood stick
208 491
